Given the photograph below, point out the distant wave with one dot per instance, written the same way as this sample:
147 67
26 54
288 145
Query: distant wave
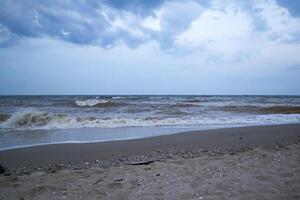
194 101
31 119
244 109
263 110
183 105
173 112
98 103
282 109
90 102
118 97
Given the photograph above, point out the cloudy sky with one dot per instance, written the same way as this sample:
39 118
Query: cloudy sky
149 47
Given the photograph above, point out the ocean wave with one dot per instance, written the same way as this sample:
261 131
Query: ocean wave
90 102
263 110
172 112
31 119
3 117
282 109
98 103
118 97
238 109
193 101
184 105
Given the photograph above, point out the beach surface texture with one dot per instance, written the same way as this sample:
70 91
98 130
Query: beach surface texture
259 162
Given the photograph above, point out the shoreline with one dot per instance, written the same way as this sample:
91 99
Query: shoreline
233 163
112 153
136 137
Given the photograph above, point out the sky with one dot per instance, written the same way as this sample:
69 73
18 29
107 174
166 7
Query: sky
108 47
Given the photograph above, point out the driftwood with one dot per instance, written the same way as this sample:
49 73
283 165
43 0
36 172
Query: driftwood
142 162
99 180
118 180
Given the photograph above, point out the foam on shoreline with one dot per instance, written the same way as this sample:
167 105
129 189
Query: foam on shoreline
33 119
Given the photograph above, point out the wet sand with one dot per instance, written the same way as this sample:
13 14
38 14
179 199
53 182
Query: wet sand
229 139
260 162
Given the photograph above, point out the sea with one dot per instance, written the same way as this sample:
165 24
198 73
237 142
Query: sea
38 120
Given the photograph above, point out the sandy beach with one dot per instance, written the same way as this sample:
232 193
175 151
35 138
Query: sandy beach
261 162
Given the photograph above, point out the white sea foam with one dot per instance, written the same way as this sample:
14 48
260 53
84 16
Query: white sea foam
31 119
90 102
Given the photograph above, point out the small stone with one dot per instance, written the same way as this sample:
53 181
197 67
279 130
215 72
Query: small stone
2 169
7 174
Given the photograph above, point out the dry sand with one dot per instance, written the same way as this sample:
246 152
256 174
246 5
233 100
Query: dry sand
264 163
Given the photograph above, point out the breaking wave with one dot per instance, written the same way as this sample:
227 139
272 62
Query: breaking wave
90 102
118 97
31 119
98 103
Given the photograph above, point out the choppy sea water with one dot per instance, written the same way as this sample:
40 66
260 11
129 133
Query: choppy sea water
34 120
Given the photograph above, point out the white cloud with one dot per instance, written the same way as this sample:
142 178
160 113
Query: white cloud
152 23
280 22
227 34
215 25
222 33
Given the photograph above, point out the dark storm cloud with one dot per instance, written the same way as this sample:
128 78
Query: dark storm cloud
80 22
99 22
50 18
137 6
